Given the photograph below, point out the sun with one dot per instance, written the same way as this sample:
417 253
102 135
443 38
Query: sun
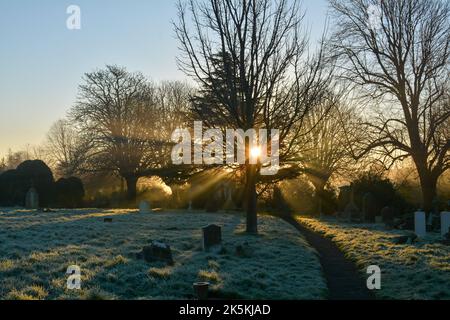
255 152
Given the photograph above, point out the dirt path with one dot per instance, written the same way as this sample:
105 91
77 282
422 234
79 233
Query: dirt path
344 281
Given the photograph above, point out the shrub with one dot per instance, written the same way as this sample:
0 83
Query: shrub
69 193
382 190
328 200
14 184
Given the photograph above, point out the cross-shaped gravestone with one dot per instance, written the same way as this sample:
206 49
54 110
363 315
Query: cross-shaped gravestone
212 236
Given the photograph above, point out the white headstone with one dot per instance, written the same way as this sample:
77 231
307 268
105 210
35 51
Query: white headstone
144 207
445 223
32 199
420 224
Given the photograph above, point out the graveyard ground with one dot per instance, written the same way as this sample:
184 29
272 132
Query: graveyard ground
36 248
409 271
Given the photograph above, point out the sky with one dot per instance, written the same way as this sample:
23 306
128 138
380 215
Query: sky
42 61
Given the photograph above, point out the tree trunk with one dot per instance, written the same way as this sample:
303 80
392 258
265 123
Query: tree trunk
319 190
428 185
252 218
131 187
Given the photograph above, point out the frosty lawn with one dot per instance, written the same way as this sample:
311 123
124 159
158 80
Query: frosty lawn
36 249
418 271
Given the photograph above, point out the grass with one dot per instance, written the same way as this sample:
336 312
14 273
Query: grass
409 271
36 249
160 273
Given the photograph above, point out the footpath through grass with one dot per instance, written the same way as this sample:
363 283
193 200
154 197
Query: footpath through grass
409 271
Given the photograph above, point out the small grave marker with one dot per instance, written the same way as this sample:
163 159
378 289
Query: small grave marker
157 251
212 236
32 199
144 207
420 224
445 223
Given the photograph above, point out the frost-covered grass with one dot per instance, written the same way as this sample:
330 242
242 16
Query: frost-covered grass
36 248
409 271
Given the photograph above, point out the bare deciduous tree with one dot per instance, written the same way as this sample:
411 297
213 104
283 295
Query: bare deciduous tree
119 110
248 57
399 58
328 132
67 149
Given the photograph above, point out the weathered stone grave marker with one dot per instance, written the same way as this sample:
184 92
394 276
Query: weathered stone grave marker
144 207
445 223
352 213
32 199
212 236
420 224
406 239
157 251
346 200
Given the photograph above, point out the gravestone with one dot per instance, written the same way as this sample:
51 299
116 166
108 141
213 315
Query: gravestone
212 236
406 239
445 223
229 203
344 197
144 207
158 251
420 224
108 220
387 214
190 205
32 199
352 213
369 208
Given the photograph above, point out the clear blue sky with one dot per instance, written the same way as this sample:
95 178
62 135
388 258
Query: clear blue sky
42 62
